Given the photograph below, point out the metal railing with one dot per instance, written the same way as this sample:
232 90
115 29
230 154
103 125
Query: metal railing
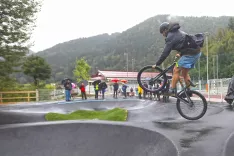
217 89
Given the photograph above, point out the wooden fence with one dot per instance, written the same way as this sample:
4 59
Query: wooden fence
28 97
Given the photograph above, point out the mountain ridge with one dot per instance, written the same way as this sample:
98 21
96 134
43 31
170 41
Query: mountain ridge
142 42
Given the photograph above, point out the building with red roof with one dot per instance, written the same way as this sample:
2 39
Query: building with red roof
131 77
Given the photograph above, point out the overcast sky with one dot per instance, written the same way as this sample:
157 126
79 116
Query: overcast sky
64 20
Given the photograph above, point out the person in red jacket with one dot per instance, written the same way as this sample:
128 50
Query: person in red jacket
82 89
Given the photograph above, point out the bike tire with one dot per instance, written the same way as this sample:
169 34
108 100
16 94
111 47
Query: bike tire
147 89
203 112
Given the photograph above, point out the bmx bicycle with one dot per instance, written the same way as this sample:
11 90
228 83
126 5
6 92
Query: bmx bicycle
190 98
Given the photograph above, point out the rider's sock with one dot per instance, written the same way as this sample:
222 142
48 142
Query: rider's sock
172 90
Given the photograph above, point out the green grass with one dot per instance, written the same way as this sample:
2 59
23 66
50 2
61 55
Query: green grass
116 114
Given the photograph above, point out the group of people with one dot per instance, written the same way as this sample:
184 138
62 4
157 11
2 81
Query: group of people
100 87
69 86
118 90
156 95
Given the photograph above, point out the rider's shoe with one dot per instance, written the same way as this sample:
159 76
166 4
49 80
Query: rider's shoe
171 92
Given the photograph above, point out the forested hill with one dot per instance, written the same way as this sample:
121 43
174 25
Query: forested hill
143 43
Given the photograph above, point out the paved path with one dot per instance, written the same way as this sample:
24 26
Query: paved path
212 135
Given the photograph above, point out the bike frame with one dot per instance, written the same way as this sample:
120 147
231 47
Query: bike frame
164 71
184 88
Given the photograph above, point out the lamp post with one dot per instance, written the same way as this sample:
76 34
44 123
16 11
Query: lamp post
127 63
217 56
207 64
132 64
199 75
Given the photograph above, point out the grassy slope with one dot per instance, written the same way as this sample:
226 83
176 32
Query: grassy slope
116 114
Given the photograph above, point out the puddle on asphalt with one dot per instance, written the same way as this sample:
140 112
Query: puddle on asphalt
195 135
173 125
190 135
167 125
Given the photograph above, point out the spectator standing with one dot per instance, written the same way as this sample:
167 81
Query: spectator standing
116 88
83 92
96 89
68 88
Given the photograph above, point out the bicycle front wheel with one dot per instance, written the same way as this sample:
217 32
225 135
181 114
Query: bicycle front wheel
151 79
193 111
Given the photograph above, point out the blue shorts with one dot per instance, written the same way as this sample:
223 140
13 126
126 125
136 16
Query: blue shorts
188 61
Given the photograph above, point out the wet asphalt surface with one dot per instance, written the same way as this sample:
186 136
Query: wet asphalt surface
211 135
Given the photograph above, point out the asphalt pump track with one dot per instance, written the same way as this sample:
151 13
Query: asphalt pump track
152 128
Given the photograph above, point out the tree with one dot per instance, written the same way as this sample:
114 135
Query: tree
231 24
81 71
16 23
37 68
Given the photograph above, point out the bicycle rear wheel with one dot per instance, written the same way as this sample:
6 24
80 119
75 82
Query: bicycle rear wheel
185 109
151 79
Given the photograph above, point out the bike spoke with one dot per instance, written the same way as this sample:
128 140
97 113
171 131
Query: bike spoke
151 79
192 107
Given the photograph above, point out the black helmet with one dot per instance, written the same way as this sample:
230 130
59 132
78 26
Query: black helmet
163 27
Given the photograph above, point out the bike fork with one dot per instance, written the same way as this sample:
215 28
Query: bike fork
187 101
